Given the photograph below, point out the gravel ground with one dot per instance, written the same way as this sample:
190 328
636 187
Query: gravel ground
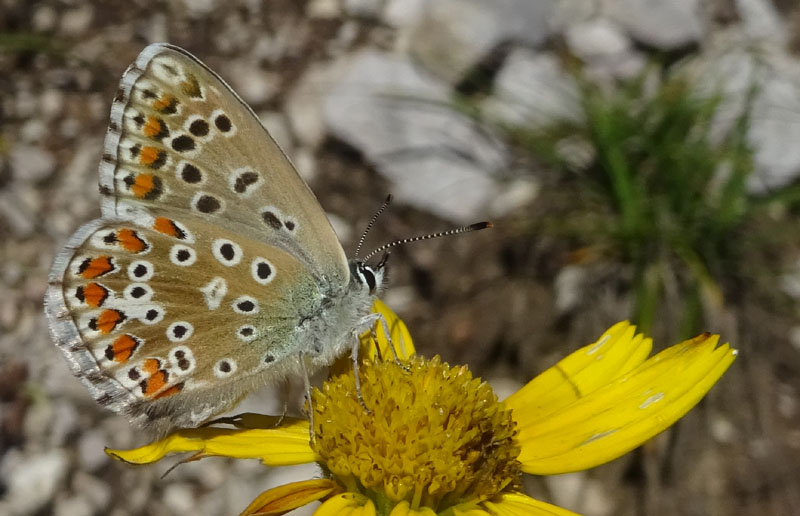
488 299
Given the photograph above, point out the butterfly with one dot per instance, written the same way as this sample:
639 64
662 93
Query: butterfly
213 269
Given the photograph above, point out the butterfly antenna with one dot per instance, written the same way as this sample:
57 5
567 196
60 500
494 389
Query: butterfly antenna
465 229
372 223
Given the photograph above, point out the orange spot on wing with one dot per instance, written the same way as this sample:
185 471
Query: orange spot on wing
149 155
166 226
123 347
109 320
143 185
175 389
165 102
155 383
92 268
151 366
94 294
153 127
130 241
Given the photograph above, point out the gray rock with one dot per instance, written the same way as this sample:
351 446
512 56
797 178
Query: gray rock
31 480
255 85
760 20
659 24
31 164
454 35
403 13
533 90
400 119
77 505
90 449
323 9
775 117
597 38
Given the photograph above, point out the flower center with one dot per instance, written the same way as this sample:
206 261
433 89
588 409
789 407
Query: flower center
434 436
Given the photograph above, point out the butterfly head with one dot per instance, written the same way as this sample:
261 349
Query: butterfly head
367 276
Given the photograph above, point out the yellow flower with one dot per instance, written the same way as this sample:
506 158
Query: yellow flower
429 439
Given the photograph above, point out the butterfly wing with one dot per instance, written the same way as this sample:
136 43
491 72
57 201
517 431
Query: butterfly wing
174 327
181 142
210 252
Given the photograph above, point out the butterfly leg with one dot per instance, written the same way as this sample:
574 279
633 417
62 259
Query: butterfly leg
354 358
307 384
388 334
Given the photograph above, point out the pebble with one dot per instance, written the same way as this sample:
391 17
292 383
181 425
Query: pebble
31 480
662 25
31 163
91 446
397 116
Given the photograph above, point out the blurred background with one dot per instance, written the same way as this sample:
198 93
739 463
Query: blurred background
639 160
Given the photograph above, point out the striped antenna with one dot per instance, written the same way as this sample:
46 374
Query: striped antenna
372 223
465 229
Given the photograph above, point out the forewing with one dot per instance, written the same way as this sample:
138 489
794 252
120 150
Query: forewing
172 322
181 143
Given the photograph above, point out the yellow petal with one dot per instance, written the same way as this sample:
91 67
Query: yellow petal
281 446
288 497
615 353
630 410
469 509
347 504
516 504
404 509
398 332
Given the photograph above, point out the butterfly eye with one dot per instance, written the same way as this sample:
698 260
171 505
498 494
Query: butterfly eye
369 277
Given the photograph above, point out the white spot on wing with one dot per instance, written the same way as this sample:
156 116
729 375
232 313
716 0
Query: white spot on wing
140 270
245 305
214 292
258 264
227 252
182 255
224 368
142 290
179 331
247 333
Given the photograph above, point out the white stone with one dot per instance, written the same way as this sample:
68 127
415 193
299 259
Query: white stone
514 195
403 13
577 492
75 22
794 337
254 84
31 480
91 450
76 505
569 287
199 8
179 498
723 431
304 103
44 19
455 35
400 119
760 20
51 103
663 25
774 124
598 38
275 123
323 9
532 90
31 163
